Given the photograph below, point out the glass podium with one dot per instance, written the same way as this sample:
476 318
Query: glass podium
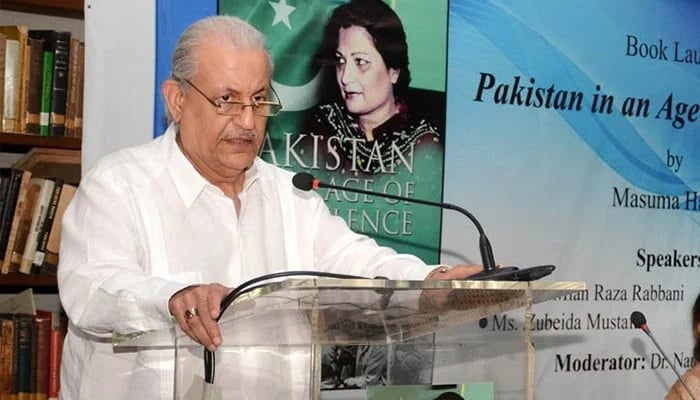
285 339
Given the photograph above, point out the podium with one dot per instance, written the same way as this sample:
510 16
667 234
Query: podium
278 337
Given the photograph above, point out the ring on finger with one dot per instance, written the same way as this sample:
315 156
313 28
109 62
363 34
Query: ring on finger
191 313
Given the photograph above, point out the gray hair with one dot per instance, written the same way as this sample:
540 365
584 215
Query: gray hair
237 32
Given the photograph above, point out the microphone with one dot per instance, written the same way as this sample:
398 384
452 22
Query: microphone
305 181
639 321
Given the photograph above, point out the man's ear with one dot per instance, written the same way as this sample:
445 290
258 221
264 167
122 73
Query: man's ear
174 98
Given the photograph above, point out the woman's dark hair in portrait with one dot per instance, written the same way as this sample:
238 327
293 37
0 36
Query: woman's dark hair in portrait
387 32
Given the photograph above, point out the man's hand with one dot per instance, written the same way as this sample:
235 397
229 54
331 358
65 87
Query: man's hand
196 309
456 272
436 300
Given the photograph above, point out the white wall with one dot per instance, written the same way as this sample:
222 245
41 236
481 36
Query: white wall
119 64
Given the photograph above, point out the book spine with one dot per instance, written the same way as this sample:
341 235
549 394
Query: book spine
8 209
22 37
43 343
16 218
26 349
24 223
43 238
52 246
3 41
58 332
73 85
7 375
57 121
78 121
12 72
20 124
46 86
36 59
4 187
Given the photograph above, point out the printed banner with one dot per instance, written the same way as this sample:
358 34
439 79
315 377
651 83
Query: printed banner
569 129
573 135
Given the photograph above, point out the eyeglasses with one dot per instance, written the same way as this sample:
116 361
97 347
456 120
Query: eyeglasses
265 108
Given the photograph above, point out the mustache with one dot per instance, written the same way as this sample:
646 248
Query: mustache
244 134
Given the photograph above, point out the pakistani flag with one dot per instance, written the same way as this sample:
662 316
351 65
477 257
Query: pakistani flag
294 32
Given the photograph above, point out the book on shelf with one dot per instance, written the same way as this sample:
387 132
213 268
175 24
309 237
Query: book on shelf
50 264
43 237
25 378
15 59
7 362
78 118
46 87
34 80
9 116
24 221
59 326
5 175
41 207
20 125
3 45
74 75
8 209
25 195
42 320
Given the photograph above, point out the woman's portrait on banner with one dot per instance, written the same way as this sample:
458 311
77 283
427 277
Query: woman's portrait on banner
370 119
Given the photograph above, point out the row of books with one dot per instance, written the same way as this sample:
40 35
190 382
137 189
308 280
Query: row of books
31 210
31 344
41 81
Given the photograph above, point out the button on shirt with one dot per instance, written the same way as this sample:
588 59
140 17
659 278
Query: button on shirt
144 224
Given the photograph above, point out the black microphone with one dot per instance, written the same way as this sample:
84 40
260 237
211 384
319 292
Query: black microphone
639 321
305 181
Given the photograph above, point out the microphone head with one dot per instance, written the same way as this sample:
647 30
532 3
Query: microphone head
303 181
638 320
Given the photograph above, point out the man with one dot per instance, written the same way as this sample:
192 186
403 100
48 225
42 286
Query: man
166 229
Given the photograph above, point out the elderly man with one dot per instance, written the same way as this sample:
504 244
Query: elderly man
166 229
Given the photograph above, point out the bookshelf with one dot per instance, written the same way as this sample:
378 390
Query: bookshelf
64 15
41 168
20 142
16 282
45 157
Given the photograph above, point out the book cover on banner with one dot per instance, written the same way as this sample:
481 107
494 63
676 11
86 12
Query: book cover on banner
363 90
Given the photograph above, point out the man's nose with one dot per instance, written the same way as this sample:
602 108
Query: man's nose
246 119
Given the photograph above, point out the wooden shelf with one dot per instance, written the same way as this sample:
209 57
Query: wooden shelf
16 282
58 8
22 142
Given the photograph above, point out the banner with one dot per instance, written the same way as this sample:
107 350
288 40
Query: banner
573 135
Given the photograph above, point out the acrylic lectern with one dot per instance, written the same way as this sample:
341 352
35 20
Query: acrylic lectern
276 336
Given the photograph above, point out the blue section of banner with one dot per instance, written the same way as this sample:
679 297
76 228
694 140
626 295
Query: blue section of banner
172 17
543 59
573 132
